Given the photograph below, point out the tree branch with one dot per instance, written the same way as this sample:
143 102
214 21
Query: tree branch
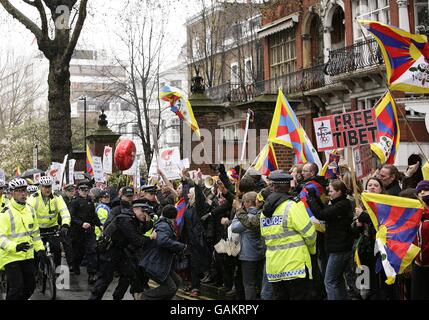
76 33
18 15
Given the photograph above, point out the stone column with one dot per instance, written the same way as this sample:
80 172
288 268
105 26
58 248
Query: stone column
404 21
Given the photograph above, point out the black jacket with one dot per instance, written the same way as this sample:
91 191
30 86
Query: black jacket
130 232
83 210
273 201
117 207
159 256
394 189
338 217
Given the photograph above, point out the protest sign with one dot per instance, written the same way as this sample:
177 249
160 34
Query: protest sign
72 163
346 130
108 159
363 161
98 169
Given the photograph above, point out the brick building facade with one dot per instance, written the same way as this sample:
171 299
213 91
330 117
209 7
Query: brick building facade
316 52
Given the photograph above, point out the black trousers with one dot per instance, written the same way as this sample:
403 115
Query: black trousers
20 278
297 289
166 290
84 244
420 283
68 249
108 265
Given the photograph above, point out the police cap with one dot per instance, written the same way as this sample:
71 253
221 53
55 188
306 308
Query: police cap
280 177
127 191
83 184
149 188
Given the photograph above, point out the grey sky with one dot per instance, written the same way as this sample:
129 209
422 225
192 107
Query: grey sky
99 27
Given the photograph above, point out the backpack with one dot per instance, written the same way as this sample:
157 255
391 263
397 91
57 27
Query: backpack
105 242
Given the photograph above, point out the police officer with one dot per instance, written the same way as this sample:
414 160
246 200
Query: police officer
20 242
69 191
102 210
49 209
3 199
290 238
127 242
84 221
124 201
149 196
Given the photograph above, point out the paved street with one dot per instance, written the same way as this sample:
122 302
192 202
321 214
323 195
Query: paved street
79 289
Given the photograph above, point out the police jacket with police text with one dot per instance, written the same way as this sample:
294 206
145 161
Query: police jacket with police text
83 210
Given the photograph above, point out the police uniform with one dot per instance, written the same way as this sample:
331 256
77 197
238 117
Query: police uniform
127 244
49 212
83 240
18 225
290 238
103 211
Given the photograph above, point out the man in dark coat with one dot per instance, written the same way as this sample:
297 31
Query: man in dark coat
389 176
84 220
126 231
158 260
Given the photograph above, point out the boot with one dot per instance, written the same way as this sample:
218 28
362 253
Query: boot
138 296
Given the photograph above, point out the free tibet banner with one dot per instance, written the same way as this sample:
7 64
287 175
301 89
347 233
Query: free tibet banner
349 129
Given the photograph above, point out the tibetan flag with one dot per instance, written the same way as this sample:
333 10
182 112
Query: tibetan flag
331 168
319 192
180 105
89 161
406 56
17 172
396 221
286 130
267 160
425 171
388 134
181 208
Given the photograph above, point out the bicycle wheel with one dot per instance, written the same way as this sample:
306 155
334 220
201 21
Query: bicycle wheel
40 276
50 279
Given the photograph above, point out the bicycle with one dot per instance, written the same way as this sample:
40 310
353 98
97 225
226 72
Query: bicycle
45 275
3 285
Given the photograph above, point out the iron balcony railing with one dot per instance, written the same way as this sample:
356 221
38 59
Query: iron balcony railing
360 55
302 80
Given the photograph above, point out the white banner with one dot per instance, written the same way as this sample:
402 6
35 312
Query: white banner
169 161
79 175
72 163
55 173
63 171
98 169
2 175
108 159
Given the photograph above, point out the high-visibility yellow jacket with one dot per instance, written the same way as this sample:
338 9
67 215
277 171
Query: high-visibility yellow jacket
3 202
18 224
102 212
290 238
47 212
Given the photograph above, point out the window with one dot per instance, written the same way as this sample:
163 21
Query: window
377 10
196 51
234 74
173 136
237 31
135 129
125 106
368 103
422 16
248 75
230 132
282 53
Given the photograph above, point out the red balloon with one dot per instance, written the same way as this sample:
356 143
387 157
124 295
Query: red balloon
125 154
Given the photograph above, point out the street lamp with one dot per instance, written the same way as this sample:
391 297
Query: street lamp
84 121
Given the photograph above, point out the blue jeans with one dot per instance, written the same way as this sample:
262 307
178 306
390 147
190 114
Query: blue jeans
267 289
334 278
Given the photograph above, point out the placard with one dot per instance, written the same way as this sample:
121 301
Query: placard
363 161
349 129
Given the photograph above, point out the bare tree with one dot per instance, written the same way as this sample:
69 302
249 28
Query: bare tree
142 34
20 89
59 16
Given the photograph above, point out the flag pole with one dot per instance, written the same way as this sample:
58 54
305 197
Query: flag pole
246 132
353 172
388 89
256 159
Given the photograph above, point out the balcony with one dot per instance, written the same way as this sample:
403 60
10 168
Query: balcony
296 82
358 56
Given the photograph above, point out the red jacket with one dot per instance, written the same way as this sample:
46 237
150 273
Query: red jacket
422 241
